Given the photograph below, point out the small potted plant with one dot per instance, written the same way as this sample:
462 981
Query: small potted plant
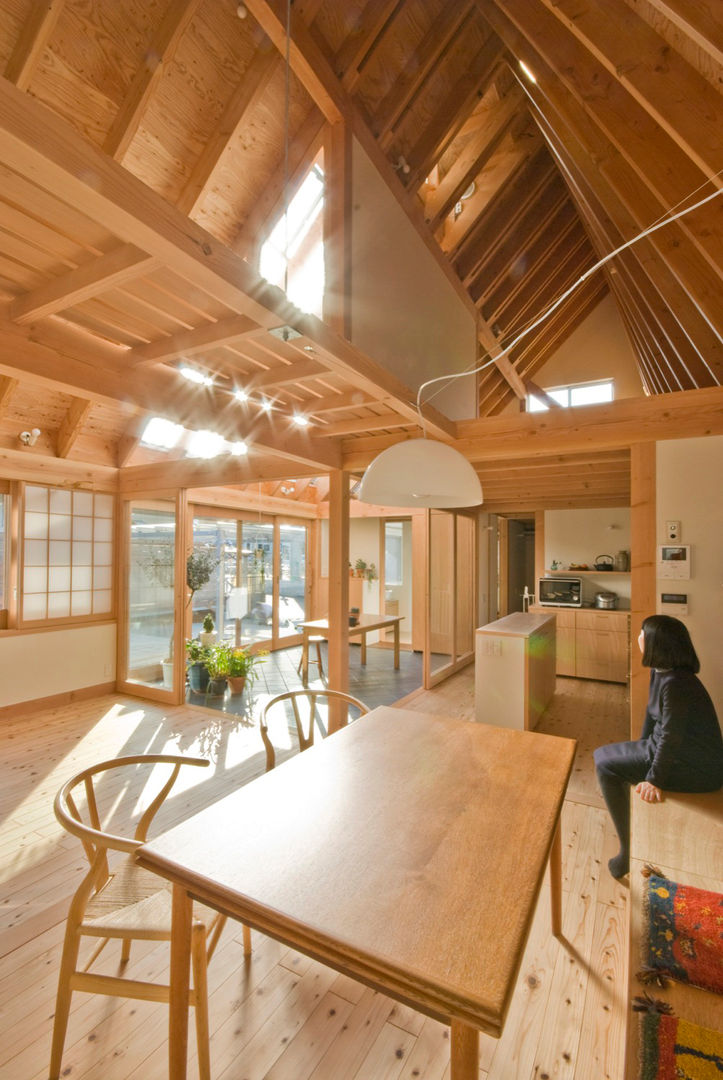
242 669
196 656
207 636
360 567
370 573
353 616
218 661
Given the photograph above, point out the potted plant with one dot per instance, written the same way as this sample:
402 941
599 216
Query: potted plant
360 567
370 573
218 661
196 656
242 668
208 635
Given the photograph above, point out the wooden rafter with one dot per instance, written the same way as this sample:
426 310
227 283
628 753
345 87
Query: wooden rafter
72 425
34 36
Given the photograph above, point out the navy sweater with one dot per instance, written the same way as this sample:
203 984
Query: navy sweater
683 733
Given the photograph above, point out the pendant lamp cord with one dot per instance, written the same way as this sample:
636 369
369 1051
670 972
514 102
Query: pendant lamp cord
665 219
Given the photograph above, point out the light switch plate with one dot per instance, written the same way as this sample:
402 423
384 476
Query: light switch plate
672 530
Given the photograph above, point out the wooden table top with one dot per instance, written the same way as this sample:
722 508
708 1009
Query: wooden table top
367 621
407 850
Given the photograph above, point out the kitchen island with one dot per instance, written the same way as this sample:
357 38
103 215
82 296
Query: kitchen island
515 670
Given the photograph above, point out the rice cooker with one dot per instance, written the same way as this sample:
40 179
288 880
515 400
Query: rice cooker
607 601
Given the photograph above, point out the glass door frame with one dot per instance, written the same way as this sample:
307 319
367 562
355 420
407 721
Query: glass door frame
276 641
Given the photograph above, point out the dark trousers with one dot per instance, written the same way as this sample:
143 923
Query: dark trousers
620 766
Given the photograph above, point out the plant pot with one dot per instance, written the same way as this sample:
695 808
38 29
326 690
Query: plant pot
217 687
208 637
198 677
167 666
236 683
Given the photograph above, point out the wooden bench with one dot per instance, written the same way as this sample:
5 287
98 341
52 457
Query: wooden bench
683 838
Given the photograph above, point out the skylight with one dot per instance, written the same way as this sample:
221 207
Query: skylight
297 253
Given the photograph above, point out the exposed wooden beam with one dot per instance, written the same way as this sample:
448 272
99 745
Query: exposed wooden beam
160 52
365 34
420 63
643 62
7 386
493 349
251 86
541 395
72 425
123 264
307 60
377 422
188 342
34 36
617 424
130 440
36 143
337 228
192 473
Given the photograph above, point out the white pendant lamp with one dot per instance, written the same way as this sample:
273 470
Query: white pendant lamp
421 472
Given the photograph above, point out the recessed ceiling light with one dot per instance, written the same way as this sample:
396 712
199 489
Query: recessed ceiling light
241 395
160 433
204 444
266 405
195 376
302 421
238 449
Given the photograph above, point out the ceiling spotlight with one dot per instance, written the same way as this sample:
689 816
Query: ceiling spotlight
302 421
266 405
195 376
241 395
29 438
287 489
242 11
402 165
238 449
204 444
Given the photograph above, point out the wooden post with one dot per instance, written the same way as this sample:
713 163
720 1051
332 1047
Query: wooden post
338 674
642 581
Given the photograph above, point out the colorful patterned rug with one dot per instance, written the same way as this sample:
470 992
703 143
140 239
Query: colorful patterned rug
685 935
675 1049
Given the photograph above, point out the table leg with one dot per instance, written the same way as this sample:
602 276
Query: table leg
556 882
464 1052
305 659
182 911
396 645
364 647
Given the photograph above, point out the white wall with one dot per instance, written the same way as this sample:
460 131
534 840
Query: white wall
56 662
581 535
597 349
689 491
405 313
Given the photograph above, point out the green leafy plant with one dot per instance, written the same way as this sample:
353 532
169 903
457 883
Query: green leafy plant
218 661
360 567
196 653
208 624
242 664
371 573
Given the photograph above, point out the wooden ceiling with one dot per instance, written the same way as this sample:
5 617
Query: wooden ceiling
144 157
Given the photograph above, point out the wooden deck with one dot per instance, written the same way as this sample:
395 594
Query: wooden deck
284 1017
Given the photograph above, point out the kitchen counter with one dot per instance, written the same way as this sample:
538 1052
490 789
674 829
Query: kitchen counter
515 669
592 643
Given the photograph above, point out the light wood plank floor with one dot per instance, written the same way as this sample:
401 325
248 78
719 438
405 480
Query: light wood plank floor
281 1016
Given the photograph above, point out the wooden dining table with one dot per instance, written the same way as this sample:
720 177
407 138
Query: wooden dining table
367 622
406 850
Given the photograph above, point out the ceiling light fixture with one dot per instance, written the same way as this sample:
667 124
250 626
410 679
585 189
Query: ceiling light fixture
195 376
302 421
241 395
205 444
161 434
238 449
29 438
420 472
265 405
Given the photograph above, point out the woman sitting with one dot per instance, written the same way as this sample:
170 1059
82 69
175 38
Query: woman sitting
681 748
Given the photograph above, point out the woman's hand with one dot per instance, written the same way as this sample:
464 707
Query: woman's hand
649 792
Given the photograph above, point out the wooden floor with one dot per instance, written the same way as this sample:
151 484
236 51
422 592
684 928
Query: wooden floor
281 1016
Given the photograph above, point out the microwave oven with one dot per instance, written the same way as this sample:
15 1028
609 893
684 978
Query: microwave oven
560 591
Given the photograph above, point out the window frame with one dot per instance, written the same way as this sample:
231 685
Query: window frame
568 388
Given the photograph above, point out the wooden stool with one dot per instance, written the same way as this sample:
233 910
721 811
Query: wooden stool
314 640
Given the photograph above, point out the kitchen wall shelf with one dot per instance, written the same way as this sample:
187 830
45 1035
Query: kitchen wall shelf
592 573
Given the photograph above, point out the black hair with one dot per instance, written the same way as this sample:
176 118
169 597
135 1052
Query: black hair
667 644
